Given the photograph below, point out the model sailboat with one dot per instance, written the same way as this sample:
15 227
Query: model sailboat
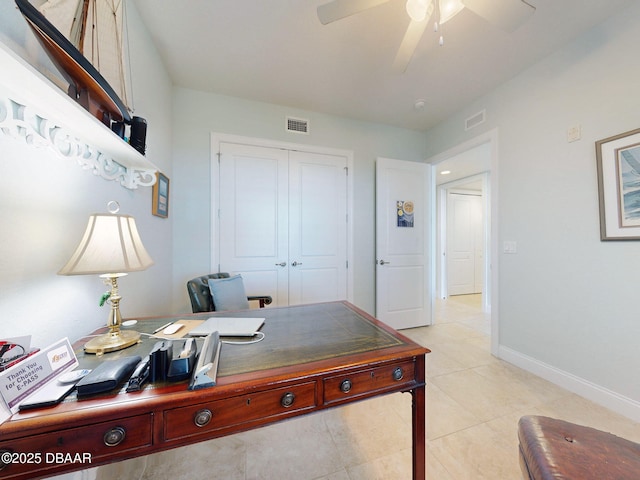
84 39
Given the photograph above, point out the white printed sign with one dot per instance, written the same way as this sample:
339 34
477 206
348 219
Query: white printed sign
27 376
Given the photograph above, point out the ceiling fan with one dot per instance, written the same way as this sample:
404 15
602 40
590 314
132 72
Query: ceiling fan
506 14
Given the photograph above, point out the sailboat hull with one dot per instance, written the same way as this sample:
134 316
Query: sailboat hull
89 87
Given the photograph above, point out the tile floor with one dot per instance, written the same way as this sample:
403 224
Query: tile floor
473 404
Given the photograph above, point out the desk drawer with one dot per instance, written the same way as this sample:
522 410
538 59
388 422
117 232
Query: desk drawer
83 445
235 411
368 381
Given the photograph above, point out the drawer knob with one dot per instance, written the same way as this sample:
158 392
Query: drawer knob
287 399
398 374
114 437
202 417
345 386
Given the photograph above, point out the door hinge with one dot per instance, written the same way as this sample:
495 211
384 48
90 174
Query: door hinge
346 171
346 263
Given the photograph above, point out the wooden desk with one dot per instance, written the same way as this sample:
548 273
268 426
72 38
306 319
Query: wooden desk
313 357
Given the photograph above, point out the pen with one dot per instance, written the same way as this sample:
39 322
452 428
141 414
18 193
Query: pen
162 327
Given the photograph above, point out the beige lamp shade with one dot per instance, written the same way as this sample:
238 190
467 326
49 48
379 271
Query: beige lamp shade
111 244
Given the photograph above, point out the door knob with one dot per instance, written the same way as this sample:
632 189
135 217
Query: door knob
281 264
295 264
382 262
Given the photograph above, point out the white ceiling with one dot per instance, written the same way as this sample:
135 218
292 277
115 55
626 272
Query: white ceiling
277 51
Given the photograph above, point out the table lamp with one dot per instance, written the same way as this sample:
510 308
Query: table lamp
110 247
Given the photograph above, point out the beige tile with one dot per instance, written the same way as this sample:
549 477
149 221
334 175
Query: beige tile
365 431
484 398
445 415
396 465
477 453
219 459
435 469
341 475
526 389
131 469
300 448
440 363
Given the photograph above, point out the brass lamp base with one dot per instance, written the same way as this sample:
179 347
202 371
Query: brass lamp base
115 339
111 342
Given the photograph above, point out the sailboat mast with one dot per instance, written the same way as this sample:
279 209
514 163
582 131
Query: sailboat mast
83 25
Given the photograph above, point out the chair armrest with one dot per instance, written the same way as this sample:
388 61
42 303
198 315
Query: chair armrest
263 299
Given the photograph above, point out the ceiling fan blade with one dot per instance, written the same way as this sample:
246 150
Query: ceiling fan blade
332 11
409 44
506 14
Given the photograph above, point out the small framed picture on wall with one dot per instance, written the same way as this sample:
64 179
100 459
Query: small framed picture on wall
160 196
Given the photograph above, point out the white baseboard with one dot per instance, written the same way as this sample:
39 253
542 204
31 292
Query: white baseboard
602 396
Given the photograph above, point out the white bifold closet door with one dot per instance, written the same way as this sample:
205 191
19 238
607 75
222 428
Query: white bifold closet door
283 222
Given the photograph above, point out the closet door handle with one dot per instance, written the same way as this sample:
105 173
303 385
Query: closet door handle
281 264
382 262
295 264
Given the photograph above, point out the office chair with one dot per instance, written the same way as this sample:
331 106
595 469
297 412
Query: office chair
230 293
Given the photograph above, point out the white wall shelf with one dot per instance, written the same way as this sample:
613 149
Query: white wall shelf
34 109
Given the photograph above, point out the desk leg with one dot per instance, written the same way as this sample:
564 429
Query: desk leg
419 423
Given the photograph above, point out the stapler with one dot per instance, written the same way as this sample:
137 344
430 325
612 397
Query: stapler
139 375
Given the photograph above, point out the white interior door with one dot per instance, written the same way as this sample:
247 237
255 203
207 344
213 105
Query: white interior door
464 243
317 228
253 218
402 243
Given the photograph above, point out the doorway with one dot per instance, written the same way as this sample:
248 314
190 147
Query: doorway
469 163
464 265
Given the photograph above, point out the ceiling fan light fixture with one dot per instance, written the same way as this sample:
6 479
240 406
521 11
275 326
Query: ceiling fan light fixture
449 9
418 10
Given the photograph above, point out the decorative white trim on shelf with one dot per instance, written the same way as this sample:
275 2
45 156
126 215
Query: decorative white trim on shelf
34 110
23 123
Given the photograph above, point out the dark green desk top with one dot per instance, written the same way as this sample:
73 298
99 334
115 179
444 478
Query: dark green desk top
293 336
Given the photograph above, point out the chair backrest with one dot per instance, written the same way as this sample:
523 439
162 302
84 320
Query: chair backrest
199 293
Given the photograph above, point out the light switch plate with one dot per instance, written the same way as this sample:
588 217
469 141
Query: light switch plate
510 246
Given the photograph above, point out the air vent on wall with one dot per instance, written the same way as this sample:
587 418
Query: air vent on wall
297 125
475 120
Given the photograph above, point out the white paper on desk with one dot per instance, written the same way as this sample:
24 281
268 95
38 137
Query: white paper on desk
17 383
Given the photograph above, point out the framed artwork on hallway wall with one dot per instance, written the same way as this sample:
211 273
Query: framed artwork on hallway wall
160 196
618 162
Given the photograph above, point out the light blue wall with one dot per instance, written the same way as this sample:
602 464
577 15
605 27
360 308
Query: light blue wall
46 200
568 302
199 114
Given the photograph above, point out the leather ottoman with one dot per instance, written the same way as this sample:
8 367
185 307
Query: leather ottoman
552 449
